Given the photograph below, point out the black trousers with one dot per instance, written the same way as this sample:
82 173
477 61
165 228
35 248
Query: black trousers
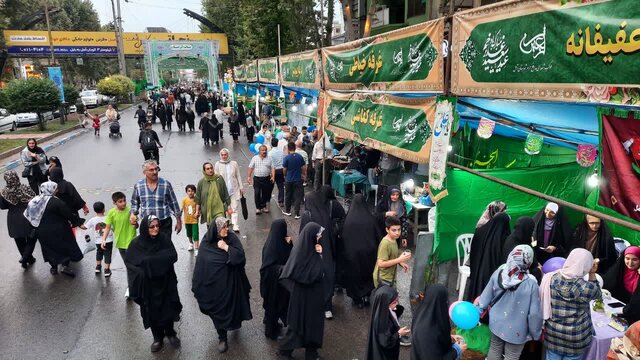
262 188
222 334
106 253
26 247
280 184
159 332
294 195
152 154
250 132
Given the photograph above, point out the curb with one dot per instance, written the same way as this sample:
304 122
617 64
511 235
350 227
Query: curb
15 163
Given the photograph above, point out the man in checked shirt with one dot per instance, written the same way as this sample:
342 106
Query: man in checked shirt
153 195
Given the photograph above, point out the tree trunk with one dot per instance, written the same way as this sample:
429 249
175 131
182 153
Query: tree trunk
347 13
370 14
41 121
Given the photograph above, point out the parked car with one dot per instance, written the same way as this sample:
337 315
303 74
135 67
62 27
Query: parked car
72 109
7 121
91 98
28 119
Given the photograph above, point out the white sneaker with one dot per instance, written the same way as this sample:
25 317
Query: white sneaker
190 248
328 315
286 213
126 294
196 252
236 228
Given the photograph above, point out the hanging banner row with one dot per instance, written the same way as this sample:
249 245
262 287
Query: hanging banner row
537 50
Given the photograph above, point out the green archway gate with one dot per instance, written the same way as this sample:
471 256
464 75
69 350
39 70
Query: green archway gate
197 55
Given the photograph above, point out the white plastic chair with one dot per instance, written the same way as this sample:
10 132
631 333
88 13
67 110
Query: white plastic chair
371 175
620 245
463 244
598 278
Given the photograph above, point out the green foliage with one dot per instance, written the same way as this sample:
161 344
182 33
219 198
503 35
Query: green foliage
4 102
32 95
71 94
116 85
251 25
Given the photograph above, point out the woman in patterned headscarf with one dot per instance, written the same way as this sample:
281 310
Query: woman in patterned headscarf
15 197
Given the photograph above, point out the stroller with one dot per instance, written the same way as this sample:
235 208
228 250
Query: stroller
114 129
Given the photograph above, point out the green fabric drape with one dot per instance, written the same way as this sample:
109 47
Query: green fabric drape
469 195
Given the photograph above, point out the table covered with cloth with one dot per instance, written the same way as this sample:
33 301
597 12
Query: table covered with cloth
339 179
604 333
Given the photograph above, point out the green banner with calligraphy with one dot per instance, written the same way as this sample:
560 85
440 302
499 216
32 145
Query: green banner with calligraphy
300 70
396 125
239 73
544 50
406 59
268 70
252 71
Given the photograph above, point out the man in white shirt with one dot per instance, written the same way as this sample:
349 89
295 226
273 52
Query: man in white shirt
304 155
222 118
323 145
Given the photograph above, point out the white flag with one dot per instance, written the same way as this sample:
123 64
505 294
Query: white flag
258 103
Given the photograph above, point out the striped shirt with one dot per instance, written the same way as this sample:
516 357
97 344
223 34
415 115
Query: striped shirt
162 202
261 167
569 330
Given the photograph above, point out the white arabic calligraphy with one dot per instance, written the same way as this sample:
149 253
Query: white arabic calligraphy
536 45
496 53
397 57
396 124
415 58
411 132
637 209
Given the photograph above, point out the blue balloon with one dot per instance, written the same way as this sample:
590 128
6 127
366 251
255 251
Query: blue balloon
279 136
260 139
553 264
465 315
256 148
311 128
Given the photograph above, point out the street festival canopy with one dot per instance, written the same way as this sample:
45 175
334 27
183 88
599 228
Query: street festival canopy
531 79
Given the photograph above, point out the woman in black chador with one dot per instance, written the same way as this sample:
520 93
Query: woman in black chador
153 283
360 236
385 330
302 275
275 254
220 283
52 219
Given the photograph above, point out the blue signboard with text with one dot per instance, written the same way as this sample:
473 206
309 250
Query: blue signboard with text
55 74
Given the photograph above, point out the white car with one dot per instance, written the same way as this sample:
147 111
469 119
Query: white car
72 109
7 121
27 119
91 98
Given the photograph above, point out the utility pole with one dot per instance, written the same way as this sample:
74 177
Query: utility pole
117 22
46 16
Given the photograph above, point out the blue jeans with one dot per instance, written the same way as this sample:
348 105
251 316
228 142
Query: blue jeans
555 356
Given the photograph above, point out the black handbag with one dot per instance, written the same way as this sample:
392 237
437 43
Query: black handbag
243 204
26 172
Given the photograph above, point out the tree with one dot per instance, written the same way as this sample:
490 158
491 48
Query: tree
33 95
71 94
116 85
329 25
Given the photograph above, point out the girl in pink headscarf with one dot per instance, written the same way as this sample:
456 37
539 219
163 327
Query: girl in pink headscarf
565 298
622 281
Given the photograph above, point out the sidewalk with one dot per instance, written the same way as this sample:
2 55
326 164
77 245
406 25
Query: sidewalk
23 136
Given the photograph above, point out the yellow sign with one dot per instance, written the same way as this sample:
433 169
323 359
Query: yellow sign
20 41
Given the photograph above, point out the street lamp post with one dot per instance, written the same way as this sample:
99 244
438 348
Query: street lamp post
117 22
46 16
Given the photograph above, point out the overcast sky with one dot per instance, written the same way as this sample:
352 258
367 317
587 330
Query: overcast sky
139 14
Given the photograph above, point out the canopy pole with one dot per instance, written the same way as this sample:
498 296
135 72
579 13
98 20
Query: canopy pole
579 208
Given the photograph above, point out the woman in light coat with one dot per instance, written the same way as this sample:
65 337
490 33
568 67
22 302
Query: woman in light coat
230 172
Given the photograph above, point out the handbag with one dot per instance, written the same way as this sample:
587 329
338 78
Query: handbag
26 172
243 204
484 317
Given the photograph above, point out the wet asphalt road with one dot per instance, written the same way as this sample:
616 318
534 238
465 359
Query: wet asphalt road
56 317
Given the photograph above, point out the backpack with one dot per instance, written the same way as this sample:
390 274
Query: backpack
147 141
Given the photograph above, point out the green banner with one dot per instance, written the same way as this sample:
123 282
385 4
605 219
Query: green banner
300 70
268 70
549 51
405 59
252 71
239 73
399 126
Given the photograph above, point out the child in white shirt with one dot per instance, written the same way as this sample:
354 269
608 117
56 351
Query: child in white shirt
96 227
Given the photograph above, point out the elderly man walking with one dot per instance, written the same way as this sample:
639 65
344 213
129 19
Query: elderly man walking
262 174
153 195
230 172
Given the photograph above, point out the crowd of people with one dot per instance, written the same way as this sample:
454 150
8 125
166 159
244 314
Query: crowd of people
359 249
